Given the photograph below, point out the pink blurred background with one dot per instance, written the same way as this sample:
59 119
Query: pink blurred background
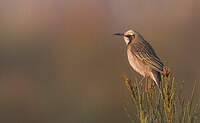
60 62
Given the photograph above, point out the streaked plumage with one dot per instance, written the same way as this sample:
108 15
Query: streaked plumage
142 56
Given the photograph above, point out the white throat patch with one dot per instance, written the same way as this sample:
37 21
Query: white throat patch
126 39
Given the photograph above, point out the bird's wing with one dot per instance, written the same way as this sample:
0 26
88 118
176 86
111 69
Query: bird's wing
145 52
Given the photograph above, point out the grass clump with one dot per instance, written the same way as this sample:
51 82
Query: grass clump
164 105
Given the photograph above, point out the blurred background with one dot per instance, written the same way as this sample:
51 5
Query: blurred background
60 63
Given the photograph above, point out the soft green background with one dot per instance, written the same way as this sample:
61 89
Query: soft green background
59 62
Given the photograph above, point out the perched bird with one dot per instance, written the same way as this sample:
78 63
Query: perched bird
142 57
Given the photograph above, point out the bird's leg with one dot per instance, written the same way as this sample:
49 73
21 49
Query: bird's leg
146 84
141 81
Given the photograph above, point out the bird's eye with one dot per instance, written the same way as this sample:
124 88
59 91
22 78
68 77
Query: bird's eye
130 37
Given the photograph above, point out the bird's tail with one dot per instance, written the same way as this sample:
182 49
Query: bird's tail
156 76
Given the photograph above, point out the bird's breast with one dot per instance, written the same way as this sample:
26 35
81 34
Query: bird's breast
138 65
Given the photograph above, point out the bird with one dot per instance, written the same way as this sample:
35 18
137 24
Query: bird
142 57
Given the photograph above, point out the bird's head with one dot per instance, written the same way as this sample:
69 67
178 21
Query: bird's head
129 36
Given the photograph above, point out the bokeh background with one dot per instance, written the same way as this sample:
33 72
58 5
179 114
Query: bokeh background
60 63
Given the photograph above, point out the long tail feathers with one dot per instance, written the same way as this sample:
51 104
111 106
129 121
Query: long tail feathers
156 76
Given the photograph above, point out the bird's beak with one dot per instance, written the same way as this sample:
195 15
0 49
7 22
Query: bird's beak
119 34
